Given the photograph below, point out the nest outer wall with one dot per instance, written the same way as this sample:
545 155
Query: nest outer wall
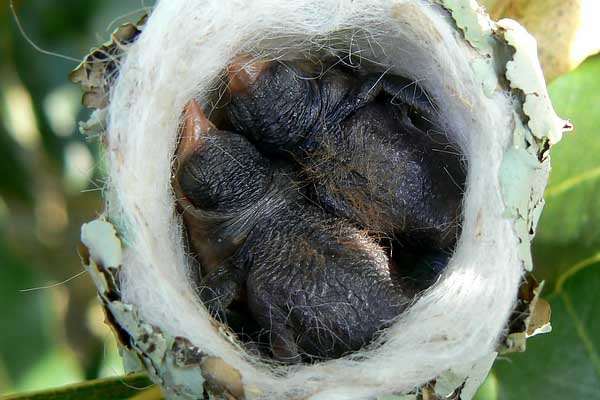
504 72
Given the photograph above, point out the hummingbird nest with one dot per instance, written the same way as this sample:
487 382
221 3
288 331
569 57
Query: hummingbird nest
491 102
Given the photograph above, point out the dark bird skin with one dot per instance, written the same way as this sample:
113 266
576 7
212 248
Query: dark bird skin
358 146
322 207
318 284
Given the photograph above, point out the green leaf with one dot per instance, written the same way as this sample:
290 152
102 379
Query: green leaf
122 387
489 389
569 229
566 363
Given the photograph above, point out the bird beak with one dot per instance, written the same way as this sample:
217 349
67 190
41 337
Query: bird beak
243 72
196 128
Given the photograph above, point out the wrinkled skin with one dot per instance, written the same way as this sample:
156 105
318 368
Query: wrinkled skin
358 146
318 284
287 216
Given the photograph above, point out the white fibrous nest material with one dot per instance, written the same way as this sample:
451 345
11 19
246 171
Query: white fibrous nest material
492 101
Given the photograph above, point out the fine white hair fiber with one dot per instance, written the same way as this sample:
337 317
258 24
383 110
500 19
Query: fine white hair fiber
182 53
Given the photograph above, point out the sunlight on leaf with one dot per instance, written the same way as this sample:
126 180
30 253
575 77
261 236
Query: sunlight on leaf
489 389
111 363
57 367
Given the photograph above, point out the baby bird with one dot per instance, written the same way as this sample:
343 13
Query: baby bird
362 142
315 282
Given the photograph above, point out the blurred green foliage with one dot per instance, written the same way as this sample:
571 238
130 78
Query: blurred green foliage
50 184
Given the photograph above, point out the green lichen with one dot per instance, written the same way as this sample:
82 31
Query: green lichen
174 363
524 73
473 22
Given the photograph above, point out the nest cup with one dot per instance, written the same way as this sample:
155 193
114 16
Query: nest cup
491 101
